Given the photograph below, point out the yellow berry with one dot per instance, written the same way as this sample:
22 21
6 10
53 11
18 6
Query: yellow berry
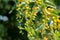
59 25
45 38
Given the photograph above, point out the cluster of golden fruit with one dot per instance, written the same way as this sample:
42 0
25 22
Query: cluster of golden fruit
31 15
18 7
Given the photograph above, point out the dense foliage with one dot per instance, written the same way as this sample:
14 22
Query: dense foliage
29 19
